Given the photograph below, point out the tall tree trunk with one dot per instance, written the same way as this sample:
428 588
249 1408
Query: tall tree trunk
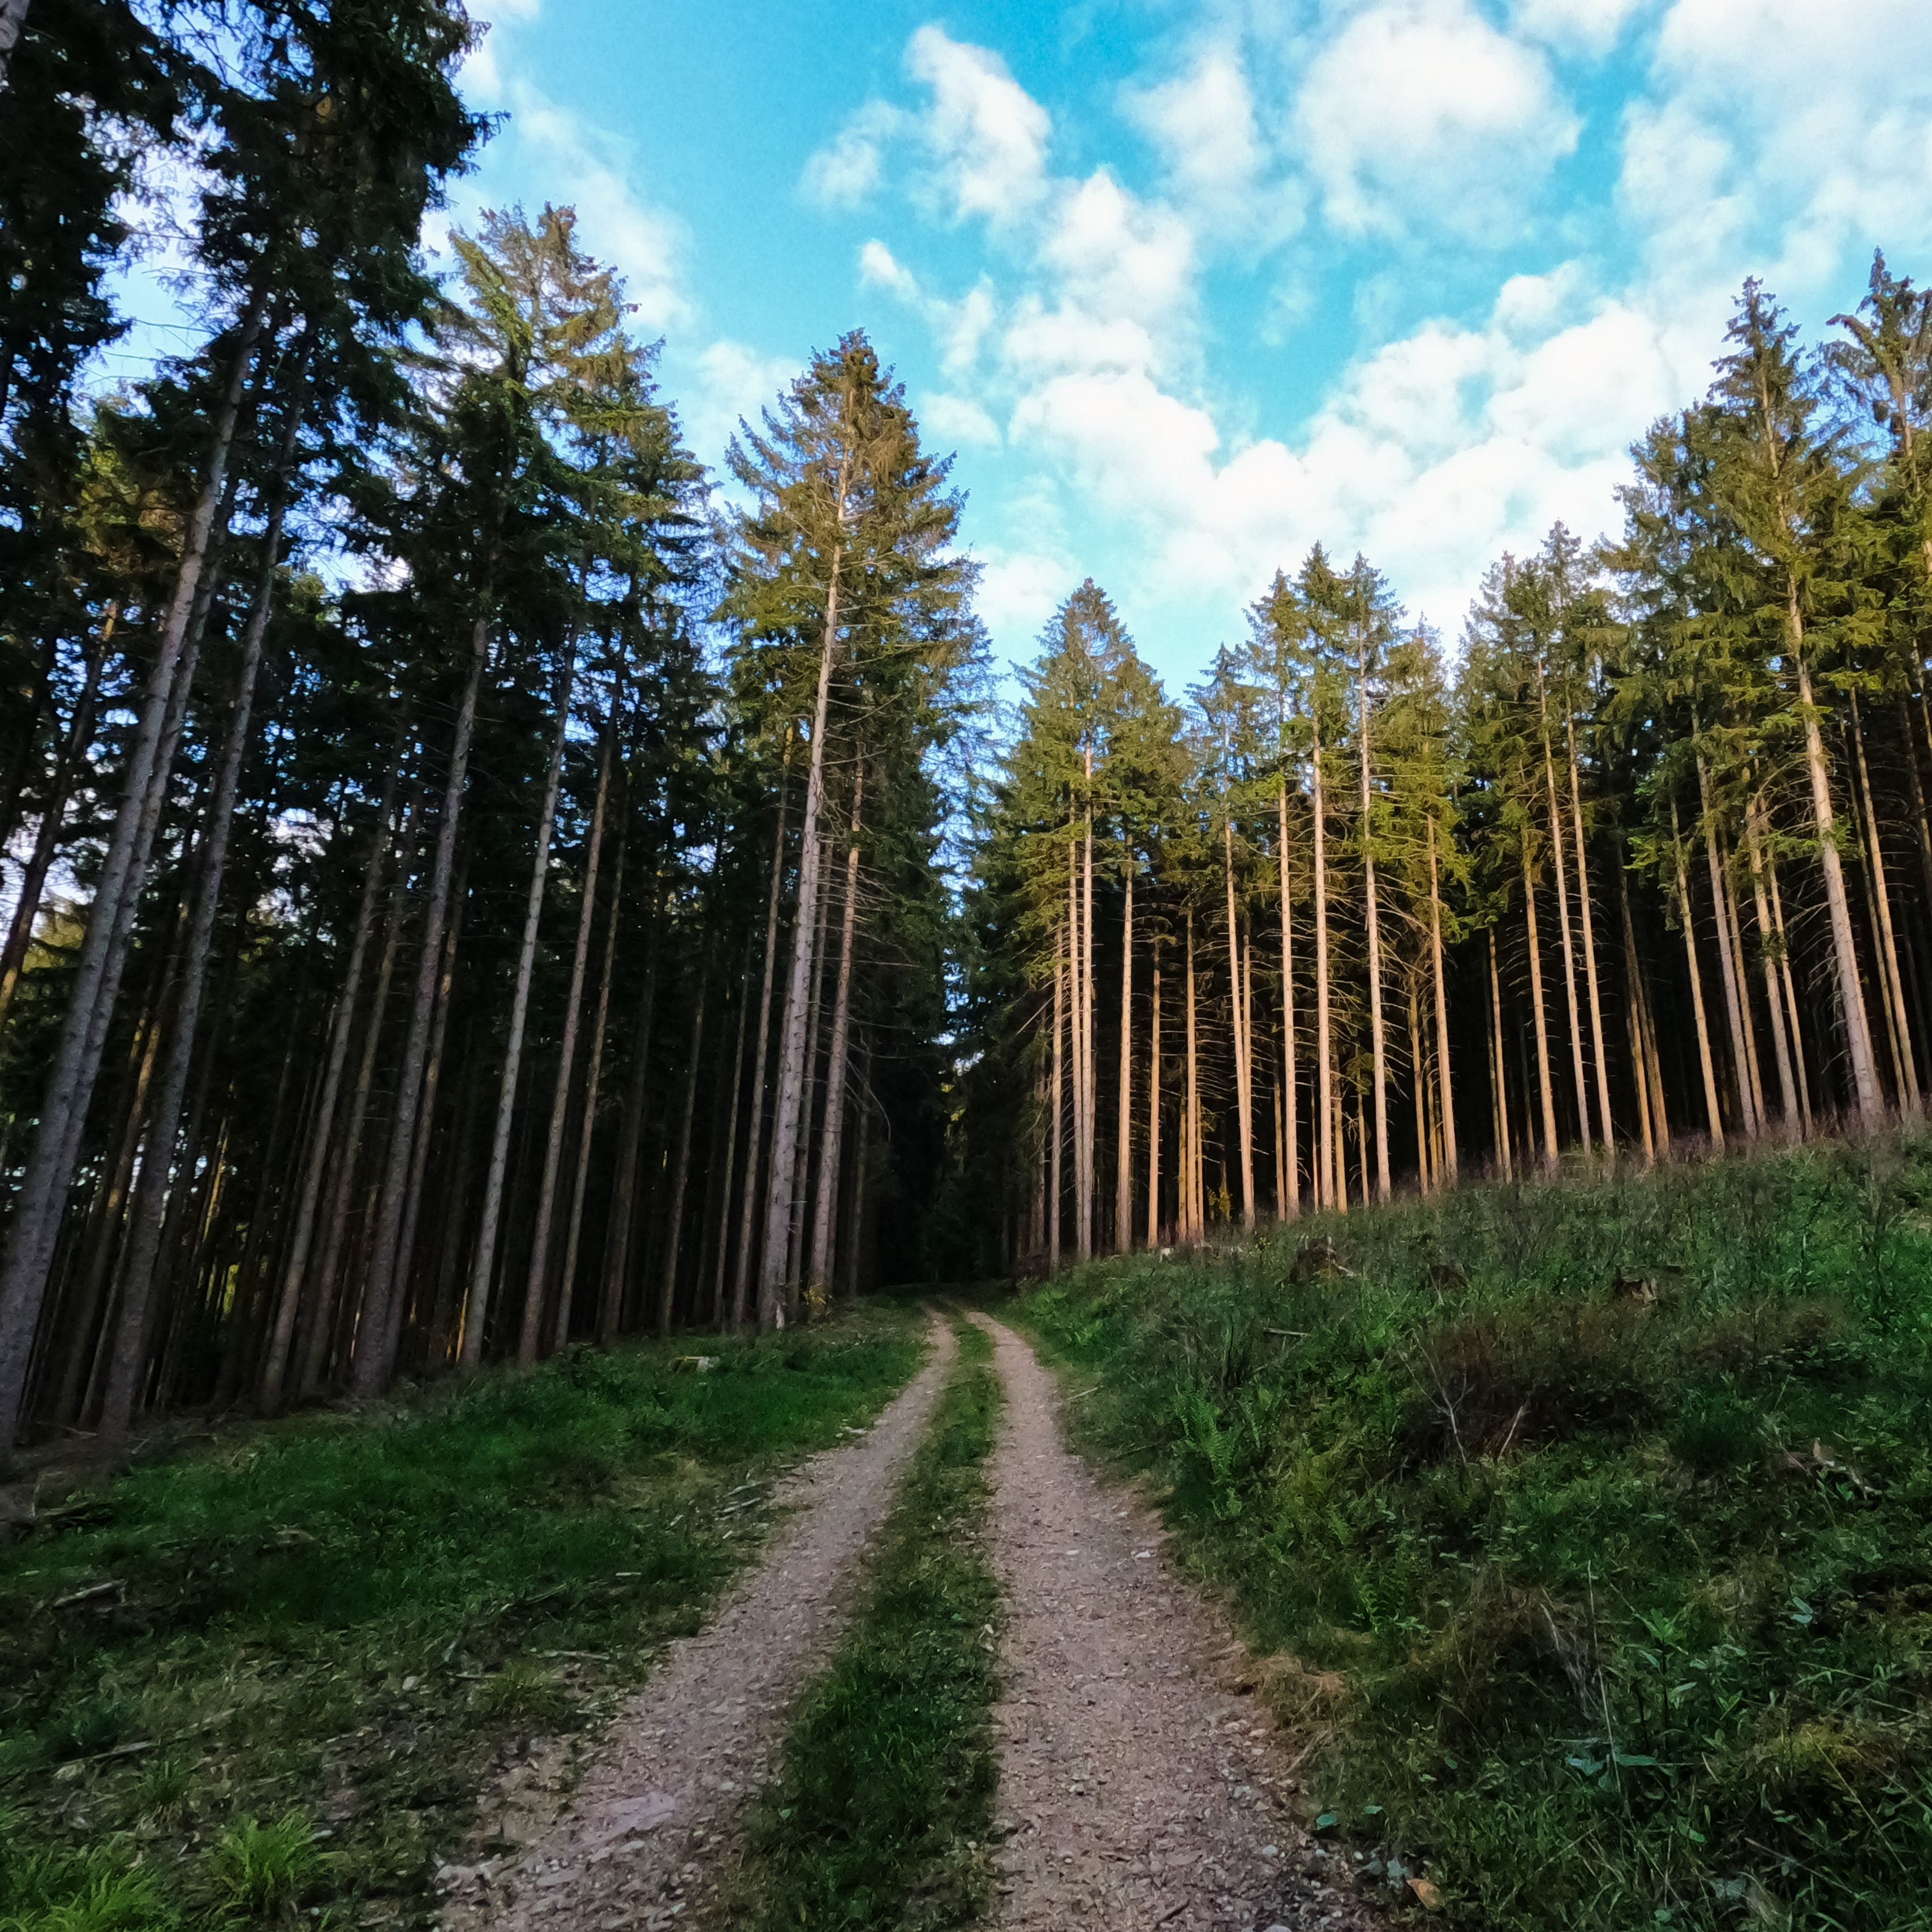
1290 1127
1378 1026
1866 1094
741 1274
1634 1011
1325 1151
318 1342
1790 984
1606 1124
131 1342
792 1068
1124 1132
294 1265
1446 1103
1060 977
41 1200
1192 1132
1563 922
536 1288
833 1132
586 1130
1735 932
719 1308
1244 1104
623 1204
1768 951
1734 1013
1418 1063
1545 1088
1083 1152
1713 1111
1498 1065
483 1268
681 1167
47 838
814 1011
1154 1100
376 1339
1894 980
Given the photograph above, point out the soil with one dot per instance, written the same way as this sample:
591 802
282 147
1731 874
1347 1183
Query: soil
1142 1784
658 1812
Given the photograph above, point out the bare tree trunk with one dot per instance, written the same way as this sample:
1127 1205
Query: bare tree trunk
1124 1133
681 1168
792 1068
1192 1132
1737 945
536 1288
1418 1064
41 1201
1290 1128
1790 984
1446 1103
1498 1065
375 1352
1606 1124
833 1134
1061 975
1325 1151
814 1006
484 1267
46 839
1545 1089
718 1312
131 1342
294 1267
1633 1006
1768 951
1734 1014
617 1239
741 1274
1563 923
1378 1028
1893 980
1244 1105
1153 1101
317 1343
587 1130
1866 1092
1084 990
1713 1111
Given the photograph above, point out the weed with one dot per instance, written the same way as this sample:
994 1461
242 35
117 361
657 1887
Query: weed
260 1872
1585 1518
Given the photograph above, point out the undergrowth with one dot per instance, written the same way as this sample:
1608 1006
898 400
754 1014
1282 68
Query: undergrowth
266 1679
1586 1521
882 1816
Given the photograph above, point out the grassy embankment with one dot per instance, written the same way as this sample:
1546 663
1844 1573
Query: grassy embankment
1590 1523
882 1816
268 1677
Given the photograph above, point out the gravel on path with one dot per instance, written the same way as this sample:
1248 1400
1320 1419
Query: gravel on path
1141 1787
659 1811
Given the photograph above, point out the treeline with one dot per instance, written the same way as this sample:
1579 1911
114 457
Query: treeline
470 887
1646 860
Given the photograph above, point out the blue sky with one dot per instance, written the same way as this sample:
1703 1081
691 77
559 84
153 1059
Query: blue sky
1188 288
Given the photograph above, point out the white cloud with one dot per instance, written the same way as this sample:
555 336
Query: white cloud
1420 115
845 174
986 136
1575 26
948 419
734 382
1020 590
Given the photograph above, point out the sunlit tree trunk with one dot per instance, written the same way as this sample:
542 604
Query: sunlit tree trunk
1498 1070
1713 1110
1378 1028
825 1218
1545 1088
1563 921
1124 1137
741 1271
1238 1000
1446 1104
1192 1130
1290 1128
1768 953
1734 1012
1153 1101
680 1178
1060 974
1587 918
1327 1178
1634 1004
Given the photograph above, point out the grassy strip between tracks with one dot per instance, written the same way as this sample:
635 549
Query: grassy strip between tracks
265 1677
1584 1522
882 1816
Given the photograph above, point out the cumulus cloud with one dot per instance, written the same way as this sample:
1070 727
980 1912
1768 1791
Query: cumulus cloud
1576 26
1419 114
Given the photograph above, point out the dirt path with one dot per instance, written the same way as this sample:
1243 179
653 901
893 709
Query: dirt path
1139 1788
659 1810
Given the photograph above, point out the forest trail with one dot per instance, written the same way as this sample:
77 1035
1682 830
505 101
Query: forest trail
641 1840
1139 1787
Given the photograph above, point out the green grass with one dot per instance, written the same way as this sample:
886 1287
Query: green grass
322 1634
1589 1523
882 1816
